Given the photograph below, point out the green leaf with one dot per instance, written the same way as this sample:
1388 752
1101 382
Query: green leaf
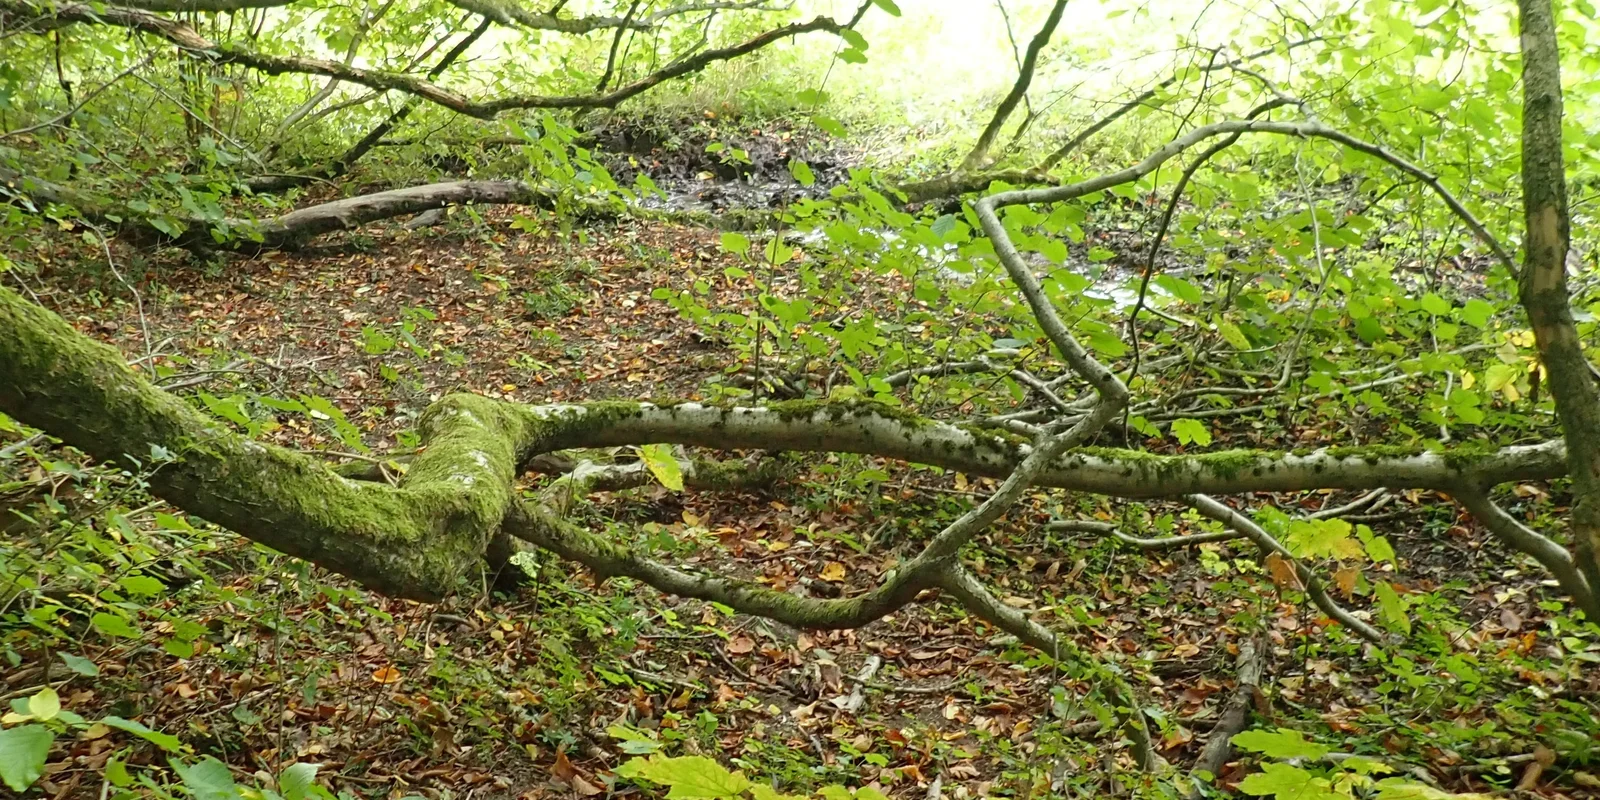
295 783
662 464
854 38
165 741
777 252
207 779
1191 431
22 754
1477 313
1435 305
113 625
736 243
80 665
802 172
45 704
1319 538
142 585
1402 789
1282 743
1289 783
688 776
828 125
888 6
1180 288
1392 609
761 791
852 56
1232 334
1378 548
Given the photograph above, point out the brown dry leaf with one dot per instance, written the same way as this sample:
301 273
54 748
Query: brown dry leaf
1282 572
1346 579
833 572
1542 758
568 774
386 675
739 645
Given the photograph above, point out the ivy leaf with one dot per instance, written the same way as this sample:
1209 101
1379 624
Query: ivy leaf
22 754
661 463
1282 743
1392 609
1191 431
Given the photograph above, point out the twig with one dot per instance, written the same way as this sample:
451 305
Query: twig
857 698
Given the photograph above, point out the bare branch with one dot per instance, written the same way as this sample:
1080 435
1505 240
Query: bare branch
980 150
193 44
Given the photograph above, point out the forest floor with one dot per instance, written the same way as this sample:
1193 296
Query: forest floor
546 693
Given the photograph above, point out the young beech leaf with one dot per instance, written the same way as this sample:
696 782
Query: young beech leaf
1191 431
661 463
44 705
23 751
207 779
1392 609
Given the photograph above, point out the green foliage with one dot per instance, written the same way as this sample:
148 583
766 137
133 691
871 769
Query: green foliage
702 778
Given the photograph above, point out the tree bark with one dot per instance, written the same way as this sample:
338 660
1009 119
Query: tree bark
1543 282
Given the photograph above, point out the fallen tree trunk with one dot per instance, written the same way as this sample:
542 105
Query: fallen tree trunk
56 379
299 227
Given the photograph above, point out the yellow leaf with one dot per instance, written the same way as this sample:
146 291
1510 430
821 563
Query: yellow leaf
386 675
833 572
1468 380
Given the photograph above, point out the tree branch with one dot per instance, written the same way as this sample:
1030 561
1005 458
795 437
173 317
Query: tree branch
980 150
194 45
1313 585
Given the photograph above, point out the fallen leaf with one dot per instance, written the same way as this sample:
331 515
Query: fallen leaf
739 645
1346 579
386 675
1282 572
833 572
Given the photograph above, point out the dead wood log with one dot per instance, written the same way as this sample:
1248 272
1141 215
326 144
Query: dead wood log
1235 716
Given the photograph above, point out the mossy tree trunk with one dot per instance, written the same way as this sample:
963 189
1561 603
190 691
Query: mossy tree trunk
1543 284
